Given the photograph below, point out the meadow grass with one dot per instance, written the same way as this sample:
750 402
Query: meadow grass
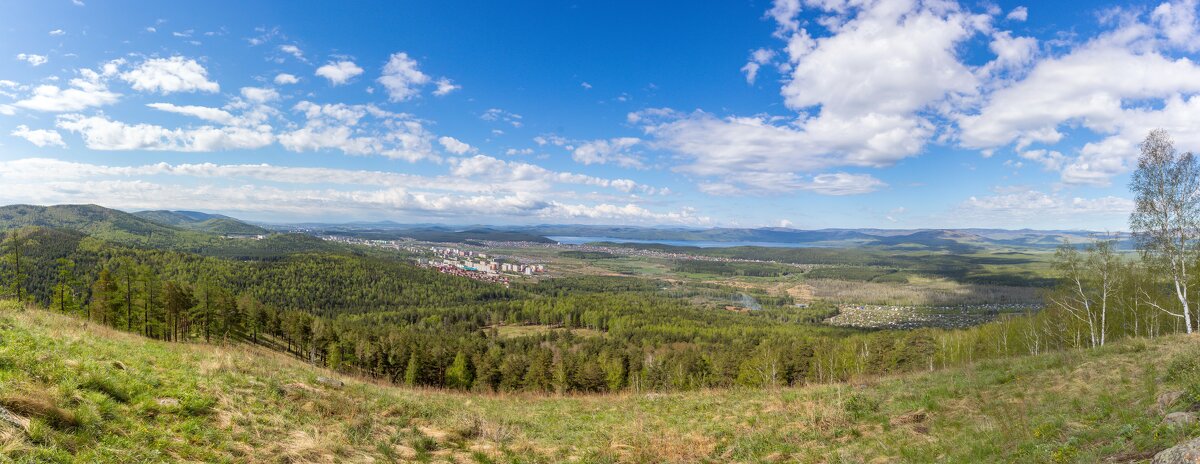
91 394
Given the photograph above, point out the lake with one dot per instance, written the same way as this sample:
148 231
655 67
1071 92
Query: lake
575 240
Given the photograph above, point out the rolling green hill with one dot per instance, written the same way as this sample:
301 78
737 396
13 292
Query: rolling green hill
203 222
97 221
73 391
118 227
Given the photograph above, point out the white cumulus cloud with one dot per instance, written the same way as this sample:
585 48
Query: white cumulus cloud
454 145
39 137
32 59
286 79
1019 13
259 94
401 78
342 127
170 75
102 133
86 91
340 72
611 151
444 87
215 115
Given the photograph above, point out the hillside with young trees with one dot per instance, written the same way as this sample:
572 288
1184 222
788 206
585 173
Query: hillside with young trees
81 392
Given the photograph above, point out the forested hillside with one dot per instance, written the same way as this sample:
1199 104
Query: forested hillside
214 223
80 392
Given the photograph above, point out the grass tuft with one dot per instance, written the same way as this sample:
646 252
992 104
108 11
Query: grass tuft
107 386
40 405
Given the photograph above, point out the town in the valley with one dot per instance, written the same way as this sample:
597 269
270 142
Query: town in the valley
455 261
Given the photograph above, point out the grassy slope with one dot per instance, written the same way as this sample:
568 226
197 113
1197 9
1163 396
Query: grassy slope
243 404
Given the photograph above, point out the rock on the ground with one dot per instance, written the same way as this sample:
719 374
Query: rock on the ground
14 419
167 402
330 382
1177 419
1166 399
1184 453
912 417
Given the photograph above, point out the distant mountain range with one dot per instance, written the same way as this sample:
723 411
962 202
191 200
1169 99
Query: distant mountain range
174 227
955 240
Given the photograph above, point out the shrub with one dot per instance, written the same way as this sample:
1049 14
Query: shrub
859 406
1184 369
1184 366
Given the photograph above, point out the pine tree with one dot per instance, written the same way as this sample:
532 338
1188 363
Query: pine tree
540 376
232 316
254 314
151 299
17 272
65 299
205 309
412 373
178 301
104 297
128 277
458 375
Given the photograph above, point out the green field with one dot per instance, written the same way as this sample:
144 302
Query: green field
857 276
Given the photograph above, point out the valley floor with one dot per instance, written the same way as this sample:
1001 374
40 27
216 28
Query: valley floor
84 393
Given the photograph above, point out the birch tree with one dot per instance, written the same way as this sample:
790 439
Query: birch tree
1165 218
1105 266
1089 286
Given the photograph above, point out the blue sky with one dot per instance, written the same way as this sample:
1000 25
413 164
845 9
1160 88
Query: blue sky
807 114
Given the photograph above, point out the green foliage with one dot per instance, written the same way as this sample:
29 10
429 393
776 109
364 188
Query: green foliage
865 274
412 370
17 263
578 254
859 405
1184 369
212 223
107 386
459 375
1082 406
866 264
729 269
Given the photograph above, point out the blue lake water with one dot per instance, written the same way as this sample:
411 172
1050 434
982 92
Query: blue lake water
572 240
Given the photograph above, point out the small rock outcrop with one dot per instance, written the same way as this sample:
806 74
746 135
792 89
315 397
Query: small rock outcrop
14 419
1178 419
1184 453
1166 399
331 382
